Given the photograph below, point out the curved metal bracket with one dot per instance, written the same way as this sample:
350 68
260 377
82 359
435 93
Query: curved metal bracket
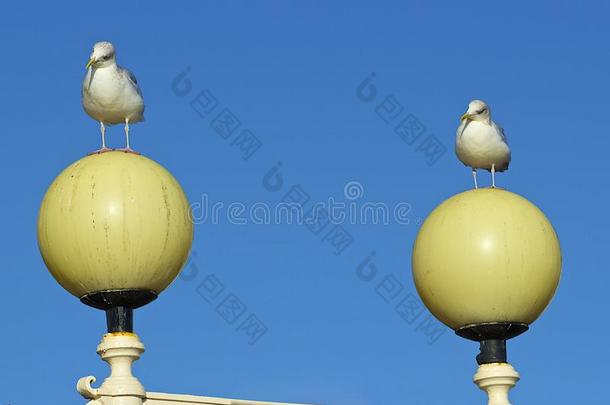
83 386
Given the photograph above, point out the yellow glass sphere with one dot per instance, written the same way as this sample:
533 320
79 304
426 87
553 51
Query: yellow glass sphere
114 221
486 255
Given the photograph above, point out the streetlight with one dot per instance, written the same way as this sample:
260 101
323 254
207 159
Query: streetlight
114 229
486 263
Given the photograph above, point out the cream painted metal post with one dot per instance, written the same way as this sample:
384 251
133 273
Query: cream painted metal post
496 379
119 350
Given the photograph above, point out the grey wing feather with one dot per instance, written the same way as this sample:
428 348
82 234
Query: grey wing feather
503 167
502 134
132 78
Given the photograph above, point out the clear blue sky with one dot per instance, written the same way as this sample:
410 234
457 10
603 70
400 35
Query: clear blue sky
289 72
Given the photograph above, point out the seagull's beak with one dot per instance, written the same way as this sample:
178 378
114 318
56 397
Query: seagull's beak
466 116
91 62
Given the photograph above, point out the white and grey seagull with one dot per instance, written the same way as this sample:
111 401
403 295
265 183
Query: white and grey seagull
480 143
110 93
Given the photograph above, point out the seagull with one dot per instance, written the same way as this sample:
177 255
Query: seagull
110 93
480 143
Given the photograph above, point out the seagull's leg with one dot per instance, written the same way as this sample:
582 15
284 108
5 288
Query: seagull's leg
103 130
127 149
103 148
474 176
127 133
493 175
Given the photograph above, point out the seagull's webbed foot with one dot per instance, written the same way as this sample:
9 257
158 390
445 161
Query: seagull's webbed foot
100 150
128 150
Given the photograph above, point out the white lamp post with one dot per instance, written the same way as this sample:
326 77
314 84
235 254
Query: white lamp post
486 263
114 230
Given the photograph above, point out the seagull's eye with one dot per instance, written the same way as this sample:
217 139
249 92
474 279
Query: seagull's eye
481 111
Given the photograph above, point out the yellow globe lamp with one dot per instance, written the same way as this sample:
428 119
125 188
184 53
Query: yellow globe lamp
486 263
114 229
